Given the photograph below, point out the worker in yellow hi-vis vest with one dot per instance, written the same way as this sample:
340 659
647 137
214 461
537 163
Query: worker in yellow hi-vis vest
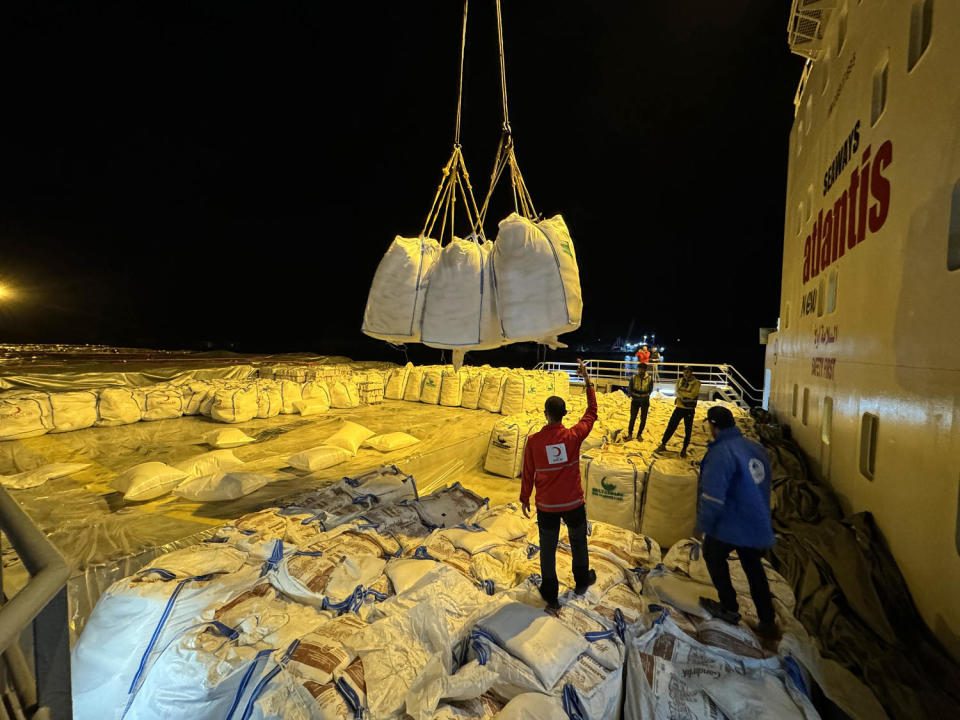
687 394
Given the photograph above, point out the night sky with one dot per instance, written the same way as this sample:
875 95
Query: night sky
228 174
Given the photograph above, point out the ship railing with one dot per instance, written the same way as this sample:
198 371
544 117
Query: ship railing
36 617
718 380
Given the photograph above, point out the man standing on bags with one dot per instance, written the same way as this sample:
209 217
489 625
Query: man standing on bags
687 394
551 463
733 513
641 385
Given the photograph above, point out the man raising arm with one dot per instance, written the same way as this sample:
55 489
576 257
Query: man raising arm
551 464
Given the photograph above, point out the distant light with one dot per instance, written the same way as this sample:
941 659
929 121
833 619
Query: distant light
6 292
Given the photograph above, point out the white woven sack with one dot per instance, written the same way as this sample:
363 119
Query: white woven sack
470 387
395 304
235 405
514 393
508 438
432 380
461 311
537 279
411 393
344 395
269 399
162 403
25 415
669 511
491 392
290 393
614 489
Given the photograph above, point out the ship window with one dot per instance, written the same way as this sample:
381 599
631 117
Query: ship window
921 26
806 405
832 292
953 245
795 394
868 444
842 30
820 299
826 421
879 102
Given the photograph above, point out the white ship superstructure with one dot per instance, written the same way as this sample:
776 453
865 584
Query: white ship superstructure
865 365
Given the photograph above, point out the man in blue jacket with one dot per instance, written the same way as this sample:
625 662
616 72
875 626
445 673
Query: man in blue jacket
733 513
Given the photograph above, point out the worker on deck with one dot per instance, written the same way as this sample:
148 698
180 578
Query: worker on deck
551 463
733 513
643 354
687 393
654 355
641 385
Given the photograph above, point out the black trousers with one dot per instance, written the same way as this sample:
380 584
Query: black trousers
641 405
685 414
715 554
549 524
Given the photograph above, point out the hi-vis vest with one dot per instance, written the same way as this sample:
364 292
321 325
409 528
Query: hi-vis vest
688 392
640 388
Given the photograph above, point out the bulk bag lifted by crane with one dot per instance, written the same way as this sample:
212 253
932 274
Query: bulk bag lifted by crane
394 309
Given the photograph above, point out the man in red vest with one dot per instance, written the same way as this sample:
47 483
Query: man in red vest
551 463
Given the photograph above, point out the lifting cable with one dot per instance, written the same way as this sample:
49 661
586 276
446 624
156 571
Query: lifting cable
506 156
455 171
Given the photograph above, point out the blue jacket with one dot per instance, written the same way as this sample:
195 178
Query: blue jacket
734 503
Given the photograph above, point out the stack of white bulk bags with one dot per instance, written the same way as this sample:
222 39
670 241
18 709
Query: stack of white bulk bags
394 309
460 312
73 410
24 415
432 380
397 382
614 489
537 279
669 510
451 387
235 405
120 406
508 438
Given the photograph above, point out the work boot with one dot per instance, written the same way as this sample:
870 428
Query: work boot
766 630
683 453
579 590
719 611
552 603
661 448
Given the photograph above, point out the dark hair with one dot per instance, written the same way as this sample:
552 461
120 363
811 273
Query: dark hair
721 417
555 408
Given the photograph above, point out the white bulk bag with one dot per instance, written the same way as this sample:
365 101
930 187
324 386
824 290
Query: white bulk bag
73 410
395 304
411 393
470 387
514 393
269 399
194 395
344 395
491 392
290 393
25 415
614 489
537 279
120 406
460 311
162 403
451 388
316 390
136 618
669 511
508 438
432 380
236 405
397 382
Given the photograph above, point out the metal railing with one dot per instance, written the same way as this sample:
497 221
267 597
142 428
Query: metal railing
720 380
43 690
